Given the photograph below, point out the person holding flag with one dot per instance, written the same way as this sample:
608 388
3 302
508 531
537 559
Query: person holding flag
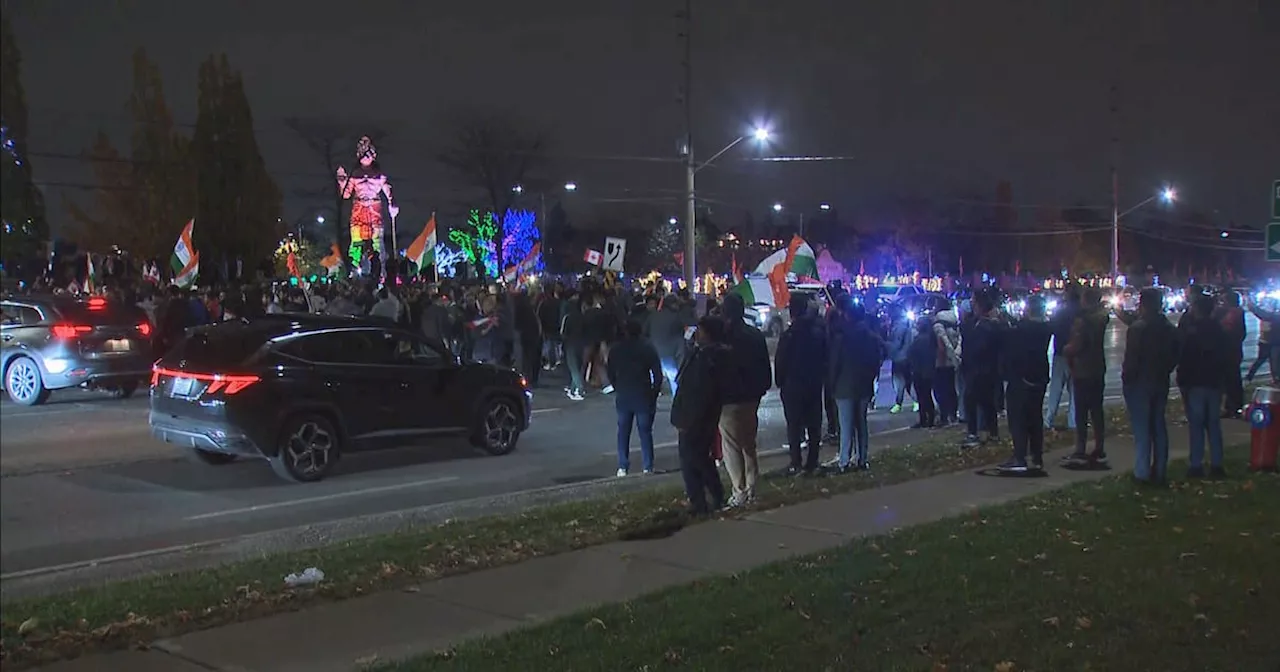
422 251
185 261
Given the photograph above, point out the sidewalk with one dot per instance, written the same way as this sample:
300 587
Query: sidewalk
345 636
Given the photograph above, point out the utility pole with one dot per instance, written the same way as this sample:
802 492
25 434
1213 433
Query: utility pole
690 166
1115 185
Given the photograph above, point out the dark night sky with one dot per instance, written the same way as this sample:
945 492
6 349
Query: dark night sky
935 98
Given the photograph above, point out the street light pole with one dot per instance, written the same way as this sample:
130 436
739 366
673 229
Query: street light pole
1115 224
690 167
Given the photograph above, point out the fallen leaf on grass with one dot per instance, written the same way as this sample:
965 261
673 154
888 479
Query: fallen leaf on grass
912 552
672 656
1246 534
1247 486
1084 623
1052 621
1186 556
1201 618
412 589
367 661
803 614
28 626
595 623
726 648
1177 530
1006 666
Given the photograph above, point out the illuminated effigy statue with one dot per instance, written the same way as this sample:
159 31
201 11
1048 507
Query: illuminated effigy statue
365 187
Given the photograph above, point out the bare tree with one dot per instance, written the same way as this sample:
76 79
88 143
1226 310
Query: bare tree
492 154
334 144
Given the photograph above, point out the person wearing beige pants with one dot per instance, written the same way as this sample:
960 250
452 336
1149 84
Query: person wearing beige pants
738 426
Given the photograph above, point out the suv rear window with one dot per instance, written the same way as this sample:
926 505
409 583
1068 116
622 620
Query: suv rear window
218 347
106 315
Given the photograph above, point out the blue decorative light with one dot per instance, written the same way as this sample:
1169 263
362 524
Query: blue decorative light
519 235
448 258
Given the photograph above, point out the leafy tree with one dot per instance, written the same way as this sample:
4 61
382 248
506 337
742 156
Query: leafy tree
22 209
143 199
491 154
664 242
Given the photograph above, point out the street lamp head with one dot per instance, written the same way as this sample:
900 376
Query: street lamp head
760 134
1169 194
518 189
320 219
777 207
570 186
1226 234
824 206
673 220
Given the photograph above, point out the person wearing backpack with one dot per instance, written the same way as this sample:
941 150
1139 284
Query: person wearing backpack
1150 355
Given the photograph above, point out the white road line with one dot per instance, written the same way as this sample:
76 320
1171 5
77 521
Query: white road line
321 498
546 410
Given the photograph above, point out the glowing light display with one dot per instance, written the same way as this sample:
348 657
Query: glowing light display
365 187
447 259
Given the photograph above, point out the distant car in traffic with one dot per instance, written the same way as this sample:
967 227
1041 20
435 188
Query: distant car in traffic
51 343
925 304
775 320
299 391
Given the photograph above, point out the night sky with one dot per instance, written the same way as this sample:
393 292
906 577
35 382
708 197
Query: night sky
938 99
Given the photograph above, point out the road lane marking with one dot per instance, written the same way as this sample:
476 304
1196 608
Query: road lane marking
320 498
546 410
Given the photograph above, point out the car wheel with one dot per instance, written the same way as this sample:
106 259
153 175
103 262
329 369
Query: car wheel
210 457
498 426
124 390
309 446
22 382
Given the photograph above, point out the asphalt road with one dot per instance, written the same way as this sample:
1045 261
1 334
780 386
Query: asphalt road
82 482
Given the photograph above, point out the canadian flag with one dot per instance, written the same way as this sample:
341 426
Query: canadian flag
593 257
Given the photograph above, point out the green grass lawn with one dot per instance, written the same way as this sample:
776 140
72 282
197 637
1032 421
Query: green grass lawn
1097 576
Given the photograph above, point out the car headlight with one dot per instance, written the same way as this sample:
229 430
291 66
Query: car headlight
1050 305
911 315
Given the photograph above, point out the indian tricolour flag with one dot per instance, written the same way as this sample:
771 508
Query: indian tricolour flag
90 276
770 285
185 261
422 251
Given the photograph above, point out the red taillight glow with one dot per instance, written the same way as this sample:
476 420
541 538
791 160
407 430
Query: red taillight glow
144 328
69 330
227 384
97 303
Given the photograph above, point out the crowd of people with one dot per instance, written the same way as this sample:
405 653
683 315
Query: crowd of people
969 362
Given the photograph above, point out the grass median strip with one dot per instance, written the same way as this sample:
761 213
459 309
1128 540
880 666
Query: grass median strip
1100 575
120 614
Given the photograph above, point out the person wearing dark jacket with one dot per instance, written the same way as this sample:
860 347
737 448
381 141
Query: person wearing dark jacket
1150 355
1025 365
1205 353
548 310
665 330
981 369
750 377
856 356
922 356
637 377
800 371
529 332
573 333
1088 363
1060 372
1231 316
695 413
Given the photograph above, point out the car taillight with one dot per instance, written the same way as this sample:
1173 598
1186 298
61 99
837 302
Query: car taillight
97 303
69 330
144 328
226 383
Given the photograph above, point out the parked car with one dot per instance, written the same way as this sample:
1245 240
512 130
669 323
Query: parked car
299 391
51 343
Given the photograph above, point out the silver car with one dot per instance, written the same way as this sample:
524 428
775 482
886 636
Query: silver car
53 342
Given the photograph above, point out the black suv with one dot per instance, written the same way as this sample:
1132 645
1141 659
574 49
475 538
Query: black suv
300 390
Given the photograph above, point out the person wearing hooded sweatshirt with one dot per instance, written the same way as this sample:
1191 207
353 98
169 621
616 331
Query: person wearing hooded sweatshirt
856 356
1206 353
946 328
1088 364
901 332
800 371
1150 355
665 330
1025 365
1231 315
1060 372
751 376
695 413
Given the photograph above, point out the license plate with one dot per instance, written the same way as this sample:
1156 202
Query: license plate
182 387
117 345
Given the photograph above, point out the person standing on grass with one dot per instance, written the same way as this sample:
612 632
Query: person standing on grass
695 413
981 369
751 376
946 329
637 377
1150 355
1088 364
1231 315
800 371
1264 351
1205 355
856 356
922 357
1025 363
1270 319
1060 371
